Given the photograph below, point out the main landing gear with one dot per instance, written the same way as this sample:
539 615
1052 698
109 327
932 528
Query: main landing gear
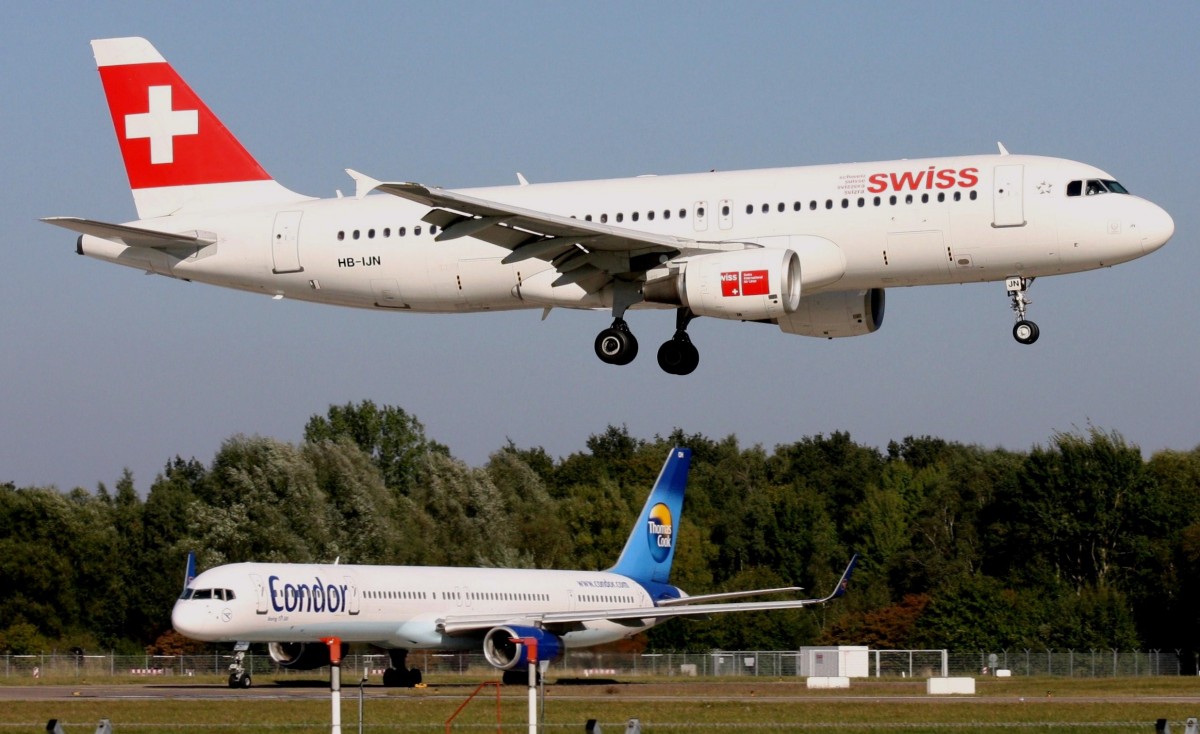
398 674
1024 331
677 356
239 677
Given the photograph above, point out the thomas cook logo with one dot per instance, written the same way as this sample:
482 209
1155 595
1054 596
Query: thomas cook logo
660 532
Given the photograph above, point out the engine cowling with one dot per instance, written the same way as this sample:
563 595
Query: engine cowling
838 314
500 651
301 655
749 285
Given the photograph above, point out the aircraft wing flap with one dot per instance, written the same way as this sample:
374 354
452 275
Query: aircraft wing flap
131 236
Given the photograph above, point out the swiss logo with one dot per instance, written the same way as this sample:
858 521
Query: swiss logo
745 283
161 124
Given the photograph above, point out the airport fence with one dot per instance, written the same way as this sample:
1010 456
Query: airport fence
592 664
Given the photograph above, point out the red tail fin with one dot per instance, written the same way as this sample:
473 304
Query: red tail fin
170 139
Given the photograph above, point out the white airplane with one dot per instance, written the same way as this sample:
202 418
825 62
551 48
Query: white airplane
293 606
808 249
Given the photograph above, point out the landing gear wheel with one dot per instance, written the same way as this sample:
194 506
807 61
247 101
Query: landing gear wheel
398 678
1026 332
616 344
518 677
239 680
678 356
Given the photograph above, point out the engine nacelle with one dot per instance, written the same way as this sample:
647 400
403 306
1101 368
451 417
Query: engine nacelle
832 315
501 652
749 285
301 655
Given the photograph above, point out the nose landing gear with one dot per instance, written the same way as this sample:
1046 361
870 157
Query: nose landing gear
1024 331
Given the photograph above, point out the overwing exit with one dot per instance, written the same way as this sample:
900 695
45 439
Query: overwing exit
810 250
400 608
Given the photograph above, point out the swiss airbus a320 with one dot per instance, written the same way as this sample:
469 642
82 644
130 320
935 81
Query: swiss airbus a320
809 249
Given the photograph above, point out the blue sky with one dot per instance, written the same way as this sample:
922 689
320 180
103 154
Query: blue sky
104 368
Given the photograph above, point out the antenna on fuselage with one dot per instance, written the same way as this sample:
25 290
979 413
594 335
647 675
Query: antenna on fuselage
1003 150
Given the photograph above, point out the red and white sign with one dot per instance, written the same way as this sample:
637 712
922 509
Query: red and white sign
168 136
746 283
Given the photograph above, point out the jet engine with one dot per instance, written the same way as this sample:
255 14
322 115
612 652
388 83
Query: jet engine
501 652
748 285
301 655
831 315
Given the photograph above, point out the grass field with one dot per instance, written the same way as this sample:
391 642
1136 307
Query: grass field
1048 705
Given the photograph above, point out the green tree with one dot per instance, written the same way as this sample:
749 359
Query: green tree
393 439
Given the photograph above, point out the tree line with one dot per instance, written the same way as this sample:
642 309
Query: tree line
1078 544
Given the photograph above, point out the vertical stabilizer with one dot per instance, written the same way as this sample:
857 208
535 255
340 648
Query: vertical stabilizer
177 154
651 546
189 571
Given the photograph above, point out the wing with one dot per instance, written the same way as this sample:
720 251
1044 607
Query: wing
467 624
132 236
578 249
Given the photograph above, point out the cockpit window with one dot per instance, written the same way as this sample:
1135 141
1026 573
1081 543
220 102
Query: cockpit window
1094 186
219 594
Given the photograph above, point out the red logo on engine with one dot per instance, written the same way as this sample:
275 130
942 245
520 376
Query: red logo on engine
745 283
755 283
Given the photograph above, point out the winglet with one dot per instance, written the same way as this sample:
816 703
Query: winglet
363 184
844 582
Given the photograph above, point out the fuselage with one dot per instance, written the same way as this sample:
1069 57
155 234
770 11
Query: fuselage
894 223
394 606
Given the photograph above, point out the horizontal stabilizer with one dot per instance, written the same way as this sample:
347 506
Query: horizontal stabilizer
131 236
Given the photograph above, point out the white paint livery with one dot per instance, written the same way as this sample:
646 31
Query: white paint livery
810 249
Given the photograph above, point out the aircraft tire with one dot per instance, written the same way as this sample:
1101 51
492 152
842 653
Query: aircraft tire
239 680
398 678
678 357
616 346
1026 332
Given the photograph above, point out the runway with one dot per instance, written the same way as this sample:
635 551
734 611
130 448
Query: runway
866 693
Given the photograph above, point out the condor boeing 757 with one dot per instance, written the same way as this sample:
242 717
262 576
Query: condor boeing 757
294 606
810 250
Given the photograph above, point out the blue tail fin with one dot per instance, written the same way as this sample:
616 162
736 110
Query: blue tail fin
651 546
189 572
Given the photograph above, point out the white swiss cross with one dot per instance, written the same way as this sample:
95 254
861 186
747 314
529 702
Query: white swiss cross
161 124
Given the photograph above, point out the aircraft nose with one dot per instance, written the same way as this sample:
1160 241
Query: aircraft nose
1156 226
186 618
